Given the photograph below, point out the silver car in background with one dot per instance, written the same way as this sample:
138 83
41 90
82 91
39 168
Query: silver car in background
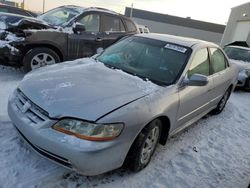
240 56
97 114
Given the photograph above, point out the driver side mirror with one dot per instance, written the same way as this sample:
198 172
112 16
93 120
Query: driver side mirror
196 80
78 28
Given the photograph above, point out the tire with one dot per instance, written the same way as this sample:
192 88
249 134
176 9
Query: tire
136 159
39 57
221 105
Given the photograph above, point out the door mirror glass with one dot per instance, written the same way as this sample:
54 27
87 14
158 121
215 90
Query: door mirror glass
197 80
78 28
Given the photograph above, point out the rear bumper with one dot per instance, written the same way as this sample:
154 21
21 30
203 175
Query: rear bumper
88 157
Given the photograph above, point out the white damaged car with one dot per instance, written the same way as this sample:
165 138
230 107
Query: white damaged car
241 57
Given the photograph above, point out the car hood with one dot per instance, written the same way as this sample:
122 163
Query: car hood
83 89
15 22
241 64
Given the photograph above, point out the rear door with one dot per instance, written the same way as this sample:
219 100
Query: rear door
112 28
195 100
85 44
221 79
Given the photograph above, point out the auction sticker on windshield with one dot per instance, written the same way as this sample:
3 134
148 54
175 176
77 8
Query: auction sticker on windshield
176 48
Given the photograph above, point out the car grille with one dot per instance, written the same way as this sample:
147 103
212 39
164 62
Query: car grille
34 113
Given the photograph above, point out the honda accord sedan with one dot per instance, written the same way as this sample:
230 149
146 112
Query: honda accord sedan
97 114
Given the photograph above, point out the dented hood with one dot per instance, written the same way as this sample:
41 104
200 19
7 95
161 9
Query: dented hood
83 89
16 23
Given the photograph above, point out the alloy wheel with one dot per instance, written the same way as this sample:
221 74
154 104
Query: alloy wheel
41 60
149 145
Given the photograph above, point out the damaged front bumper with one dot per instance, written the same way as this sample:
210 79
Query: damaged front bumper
9 49
9 55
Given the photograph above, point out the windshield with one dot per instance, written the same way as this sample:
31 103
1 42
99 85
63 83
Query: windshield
59 16
238 53
158 61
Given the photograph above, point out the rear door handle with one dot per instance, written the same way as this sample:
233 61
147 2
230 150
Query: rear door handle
98 39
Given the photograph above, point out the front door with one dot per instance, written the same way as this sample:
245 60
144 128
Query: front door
195 100
85 44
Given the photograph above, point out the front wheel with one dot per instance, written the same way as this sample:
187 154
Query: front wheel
144 146
221 105
39 57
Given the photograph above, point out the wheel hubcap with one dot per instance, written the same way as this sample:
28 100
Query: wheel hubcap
149 145
41 60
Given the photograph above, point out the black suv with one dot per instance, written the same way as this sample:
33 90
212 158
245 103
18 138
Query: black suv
64 33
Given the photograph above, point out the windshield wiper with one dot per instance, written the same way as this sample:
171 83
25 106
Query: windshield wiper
110 66
160 83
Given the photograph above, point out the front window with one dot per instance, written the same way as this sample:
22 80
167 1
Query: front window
238 53
158 61
59 16
91 22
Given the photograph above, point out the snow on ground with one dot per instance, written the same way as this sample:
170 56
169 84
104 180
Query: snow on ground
214 152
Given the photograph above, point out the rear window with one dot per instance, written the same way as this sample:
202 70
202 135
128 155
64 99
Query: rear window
218 60
130 25
112 24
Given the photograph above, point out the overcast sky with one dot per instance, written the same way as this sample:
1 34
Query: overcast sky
216 11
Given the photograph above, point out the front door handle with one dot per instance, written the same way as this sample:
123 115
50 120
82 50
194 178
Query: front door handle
98 39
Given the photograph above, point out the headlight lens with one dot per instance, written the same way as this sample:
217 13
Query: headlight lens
89 131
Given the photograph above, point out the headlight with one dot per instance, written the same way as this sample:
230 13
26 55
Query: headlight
89 131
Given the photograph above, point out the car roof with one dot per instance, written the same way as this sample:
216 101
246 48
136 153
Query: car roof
239 47
13 15
184 41
17 8
84 9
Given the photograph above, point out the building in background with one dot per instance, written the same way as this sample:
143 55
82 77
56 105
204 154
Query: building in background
10 3
238 26
167 24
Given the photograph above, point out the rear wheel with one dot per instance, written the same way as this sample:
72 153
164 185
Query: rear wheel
39 57
221 105
144 146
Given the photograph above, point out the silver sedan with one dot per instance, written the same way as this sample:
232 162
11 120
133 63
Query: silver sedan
97 114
